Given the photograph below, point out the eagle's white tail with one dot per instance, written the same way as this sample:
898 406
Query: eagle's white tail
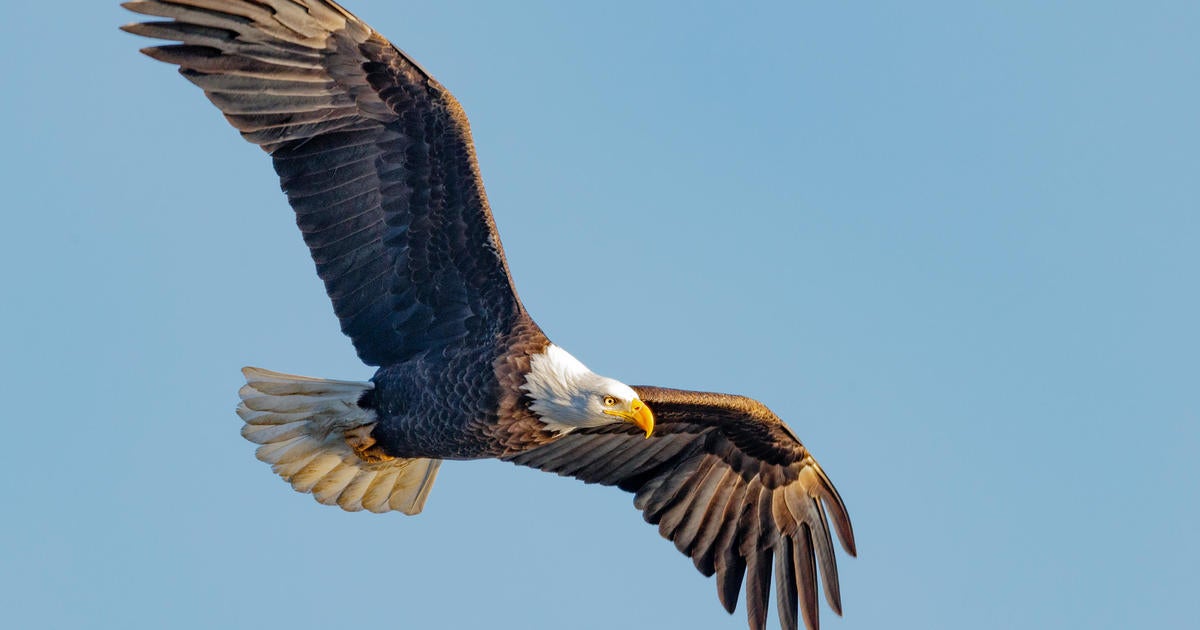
301 423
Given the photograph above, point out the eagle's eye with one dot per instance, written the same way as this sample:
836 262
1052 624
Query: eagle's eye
609 401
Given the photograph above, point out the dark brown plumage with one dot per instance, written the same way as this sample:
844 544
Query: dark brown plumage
376 159
729 484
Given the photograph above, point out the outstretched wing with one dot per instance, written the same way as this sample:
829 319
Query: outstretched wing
730 484
375 156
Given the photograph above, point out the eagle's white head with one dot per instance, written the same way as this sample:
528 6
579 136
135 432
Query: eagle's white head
567 395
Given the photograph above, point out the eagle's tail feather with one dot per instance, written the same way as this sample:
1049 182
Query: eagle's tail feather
301 424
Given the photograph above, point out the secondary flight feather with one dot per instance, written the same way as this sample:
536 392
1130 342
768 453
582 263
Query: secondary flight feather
377 161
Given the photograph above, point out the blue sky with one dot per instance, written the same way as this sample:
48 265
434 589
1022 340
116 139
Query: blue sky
954 245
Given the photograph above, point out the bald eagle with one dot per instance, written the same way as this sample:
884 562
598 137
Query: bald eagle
377 161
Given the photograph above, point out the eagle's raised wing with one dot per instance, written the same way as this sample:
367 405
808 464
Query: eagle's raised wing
731 486
375 156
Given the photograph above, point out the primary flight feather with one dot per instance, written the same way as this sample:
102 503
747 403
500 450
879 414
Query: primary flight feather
376 158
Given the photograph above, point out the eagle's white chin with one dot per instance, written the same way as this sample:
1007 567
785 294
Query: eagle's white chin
567 395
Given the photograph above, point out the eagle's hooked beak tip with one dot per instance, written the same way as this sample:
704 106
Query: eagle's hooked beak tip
642 417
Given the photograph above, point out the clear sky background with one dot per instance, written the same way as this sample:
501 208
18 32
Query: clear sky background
955 245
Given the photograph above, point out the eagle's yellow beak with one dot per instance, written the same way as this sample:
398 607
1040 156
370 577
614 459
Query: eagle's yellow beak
639 415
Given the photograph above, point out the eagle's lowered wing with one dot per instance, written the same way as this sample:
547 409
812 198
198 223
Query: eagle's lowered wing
731 486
